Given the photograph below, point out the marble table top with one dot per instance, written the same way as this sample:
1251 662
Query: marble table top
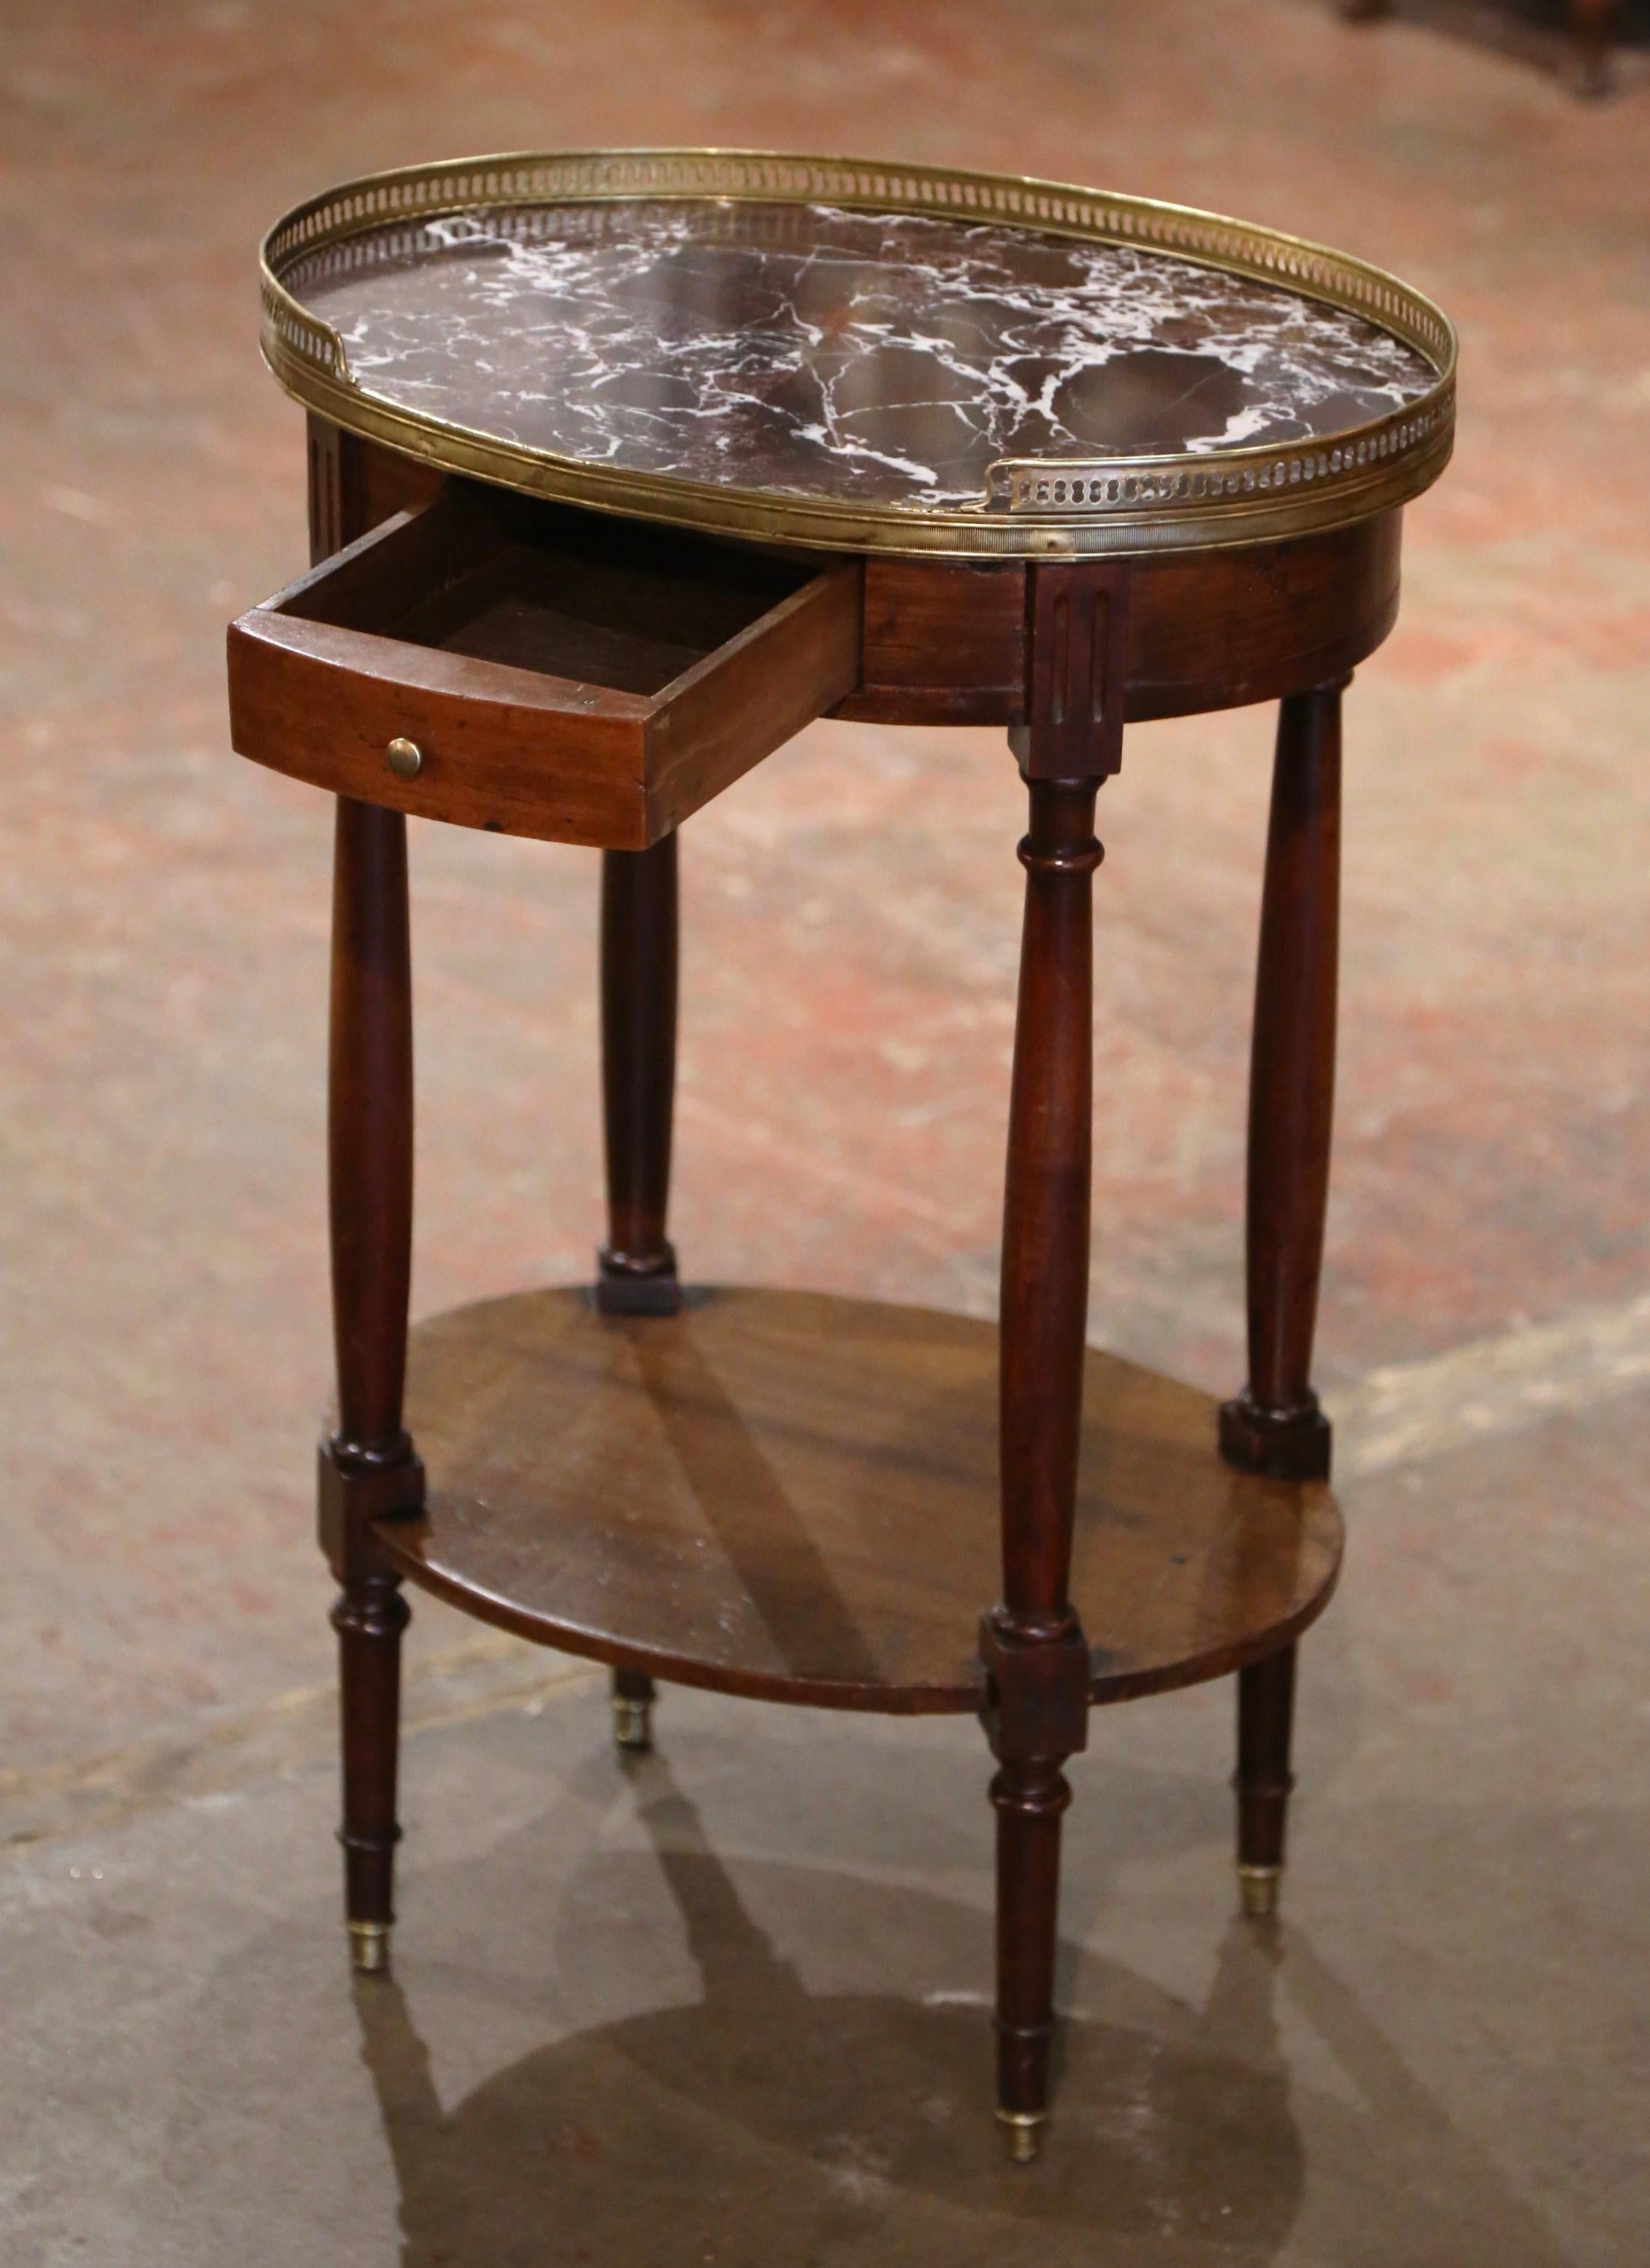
860 357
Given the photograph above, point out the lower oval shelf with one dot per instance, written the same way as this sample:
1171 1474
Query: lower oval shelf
793 1496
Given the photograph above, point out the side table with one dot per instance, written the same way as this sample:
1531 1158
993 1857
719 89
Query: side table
624 468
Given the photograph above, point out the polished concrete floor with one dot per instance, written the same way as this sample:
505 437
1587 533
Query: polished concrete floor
726 2006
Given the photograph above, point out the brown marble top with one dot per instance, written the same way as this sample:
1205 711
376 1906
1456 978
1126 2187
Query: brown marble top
885 359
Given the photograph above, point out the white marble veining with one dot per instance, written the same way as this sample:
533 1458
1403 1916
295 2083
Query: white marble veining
889 359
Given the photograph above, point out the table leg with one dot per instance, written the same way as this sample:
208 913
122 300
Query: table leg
1266 1708
1592 28
636 1266
1035 1656
1275 1425
368 1470
634 1694
367 1467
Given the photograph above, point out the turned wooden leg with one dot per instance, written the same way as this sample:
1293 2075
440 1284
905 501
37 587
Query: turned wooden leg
1035 1657
1275 1427
1266 1705
636 1266
1030 1795
368 1470
368 1616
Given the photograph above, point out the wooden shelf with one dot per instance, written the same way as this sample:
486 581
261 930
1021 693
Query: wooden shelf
794 1497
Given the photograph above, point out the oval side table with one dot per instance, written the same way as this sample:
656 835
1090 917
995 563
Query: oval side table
625 466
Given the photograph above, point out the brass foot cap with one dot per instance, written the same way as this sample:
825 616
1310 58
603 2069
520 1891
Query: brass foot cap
1022 2134
1259 1888
369 1948
633 1725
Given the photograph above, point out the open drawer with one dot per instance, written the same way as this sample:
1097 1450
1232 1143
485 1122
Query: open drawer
501 663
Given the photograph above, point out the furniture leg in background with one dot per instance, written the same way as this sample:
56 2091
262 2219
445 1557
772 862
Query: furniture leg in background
1593 27
1275 1427
1594 24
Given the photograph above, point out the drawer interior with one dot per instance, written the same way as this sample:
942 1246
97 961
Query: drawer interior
568 594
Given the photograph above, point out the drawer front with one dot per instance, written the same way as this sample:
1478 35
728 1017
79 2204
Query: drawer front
324 704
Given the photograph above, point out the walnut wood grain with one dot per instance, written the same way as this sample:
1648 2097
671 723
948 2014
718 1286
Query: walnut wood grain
793 1497
1218 629
1262 1782
662 667
1034 1644
780 1494
944 642
1275 1425
368 1464
1077 622
1044 1281
370 1132
637 1265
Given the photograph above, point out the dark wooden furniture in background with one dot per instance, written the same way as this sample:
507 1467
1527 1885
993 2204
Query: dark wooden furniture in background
783 1495
1593 26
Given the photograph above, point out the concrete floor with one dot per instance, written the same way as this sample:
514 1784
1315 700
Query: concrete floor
727 2008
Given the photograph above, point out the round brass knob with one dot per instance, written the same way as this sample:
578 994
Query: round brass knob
405 758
